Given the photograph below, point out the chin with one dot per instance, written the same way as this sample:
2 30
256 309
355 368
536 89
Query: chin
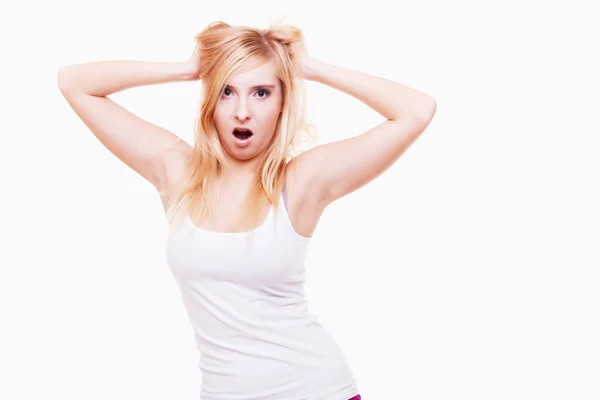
246 154
244 157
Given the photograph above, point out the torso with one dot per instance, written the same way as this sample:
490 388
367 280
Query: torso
302 207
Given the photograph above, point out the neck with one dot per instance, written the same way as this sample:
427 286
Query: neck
240 170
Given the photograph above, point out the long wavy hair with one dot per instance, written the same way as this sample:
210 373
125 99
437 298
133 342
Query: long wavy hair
226 50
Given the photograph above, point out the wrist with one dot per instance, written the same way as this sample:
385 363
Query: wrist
186 70
311 68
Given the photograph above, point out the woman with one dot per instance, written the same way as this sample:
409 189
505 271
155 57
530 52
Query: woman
255 335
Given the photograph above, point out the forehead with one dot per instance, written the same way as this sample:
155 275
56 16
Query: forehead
265 74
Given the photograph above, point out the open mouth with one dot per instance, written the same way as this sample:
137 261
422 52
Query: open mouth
242 133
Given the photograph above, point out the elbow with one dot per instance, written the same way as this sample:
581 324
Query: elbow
61 79
64 79
426 110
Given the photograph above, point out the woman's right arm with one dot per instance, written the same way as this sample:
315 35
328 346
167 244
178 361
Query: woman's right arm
138 143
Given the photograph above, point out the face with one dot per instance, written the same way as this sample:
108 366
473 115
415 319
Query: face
251 100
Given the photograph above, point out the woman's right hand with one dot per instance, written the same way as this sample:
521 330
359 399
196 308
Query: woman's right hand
193 64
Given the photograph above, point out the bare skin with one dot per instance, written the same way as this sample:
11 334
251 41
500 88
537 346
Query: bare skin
303 209
315 178
253 99
307 186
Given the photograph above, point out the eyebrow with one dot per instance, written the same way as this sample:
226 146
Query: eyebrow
254 87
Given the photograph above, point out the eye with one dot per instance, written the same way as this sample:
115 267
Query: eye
226 91
265 91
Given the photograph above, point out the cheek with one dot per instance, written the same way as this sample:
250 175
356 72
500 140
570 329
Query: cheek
270 124
272 113
220 118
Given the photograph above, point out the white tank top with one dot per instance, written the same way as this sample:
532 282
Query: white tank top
245 300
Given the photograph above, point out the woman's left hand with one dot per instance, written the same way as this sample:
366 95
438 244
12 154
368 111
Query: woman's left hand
300 53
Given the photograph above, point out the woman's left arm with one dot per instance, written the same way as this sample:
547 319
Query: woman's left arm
338 168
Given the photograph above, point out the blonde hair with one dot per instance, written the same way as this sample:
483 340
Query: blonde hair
225 50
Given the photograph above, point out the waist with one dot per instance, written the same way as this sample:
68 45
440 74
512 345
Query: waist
265 379
278 364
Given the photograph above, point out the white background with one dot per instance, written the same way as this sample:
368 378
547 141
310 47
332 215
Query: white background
469 270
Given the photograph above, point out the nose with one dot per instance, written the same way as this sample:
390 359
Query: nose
242 112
